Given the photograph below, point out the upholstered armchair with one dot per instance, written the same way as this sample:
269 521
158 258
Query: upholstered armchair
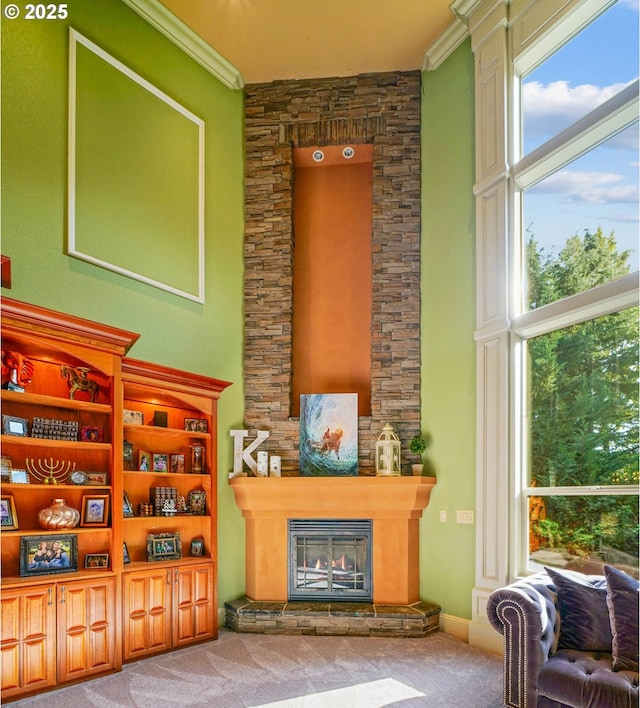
543 668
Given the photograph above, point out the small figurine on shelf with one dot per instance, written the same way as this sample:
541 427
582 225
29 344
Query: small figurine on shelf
18 370
78 380
169 507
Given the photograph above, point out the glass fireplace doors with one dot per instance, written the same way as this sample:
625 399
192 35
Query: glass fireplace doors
330 559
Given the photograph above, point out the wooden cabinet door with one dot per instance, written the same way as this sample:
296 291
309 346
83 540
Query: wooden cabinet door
86 629
147 612
193 603
28 640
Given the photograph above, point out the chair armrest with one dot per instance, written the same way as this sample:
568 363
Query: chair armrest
525 613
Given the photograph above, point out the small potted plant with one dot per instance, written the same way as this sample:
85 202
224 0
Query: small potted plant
417 446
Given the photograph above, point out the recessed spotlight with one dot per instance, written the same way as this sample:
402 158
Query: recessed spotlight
348 153
318 155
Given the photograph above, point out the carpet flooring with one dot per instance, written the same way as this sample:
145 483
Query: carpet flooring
282 671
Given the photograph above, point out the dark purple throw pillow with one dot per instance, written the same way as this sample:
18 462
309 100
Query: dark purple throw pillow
622 599
584 616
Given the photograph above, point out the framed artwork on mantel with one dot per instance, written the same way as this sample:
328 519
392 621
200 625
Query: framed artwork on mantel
127 141
329 434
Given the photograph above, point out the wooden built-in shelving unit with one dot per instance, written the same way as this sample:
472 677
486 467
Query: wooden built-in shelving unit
85 622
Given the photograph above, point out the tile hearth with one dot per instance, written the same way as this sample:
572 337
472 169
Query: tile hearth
332 618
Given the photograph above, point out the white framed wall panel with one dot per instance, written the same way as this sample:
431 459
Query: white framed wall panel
492 492
531 20
489 152
491 258
128 140
536 28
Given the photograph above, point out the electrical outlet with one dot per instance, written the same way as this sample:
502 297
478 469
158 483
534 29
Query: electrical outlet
443 516
464 517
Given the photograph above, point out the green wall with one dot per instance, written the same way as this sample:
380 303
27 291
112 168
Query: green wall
448 317
208 338
176 332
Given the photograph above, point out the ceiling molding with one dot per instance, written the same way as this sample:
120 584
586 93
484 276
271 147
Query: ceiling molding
444 46
464 8
186 39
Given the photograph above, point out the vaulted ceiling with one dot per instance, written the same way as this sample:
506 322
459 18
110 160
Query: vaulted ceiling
301 39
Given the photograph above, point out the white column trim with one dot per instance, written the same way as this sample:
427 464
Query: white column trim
488 23
503 33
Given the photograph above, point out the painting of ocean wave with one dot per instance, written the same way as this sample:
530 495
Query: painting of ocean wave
329 434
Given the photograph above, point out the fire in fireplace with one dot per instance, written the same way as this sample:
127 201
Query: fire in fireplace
330 559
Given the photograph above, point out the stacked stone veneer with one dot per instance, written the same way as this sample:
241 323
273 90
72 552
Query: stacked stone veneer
332 618
383 109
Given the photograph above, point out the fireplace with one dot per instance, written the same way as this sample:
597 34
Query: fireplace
390 506
393 504
330 559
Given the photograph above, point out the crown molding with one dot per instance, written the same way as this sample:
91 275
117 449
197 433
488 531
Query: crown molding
463 8
444 46
186 39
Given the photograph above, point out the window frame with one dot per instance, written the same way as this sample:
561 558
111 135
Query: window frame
593 129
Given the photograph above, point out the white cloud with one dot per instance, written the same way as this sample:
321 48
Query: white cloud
577 187
547 109
626 219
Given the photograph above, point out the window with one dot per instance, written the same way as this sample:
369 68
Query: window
575 315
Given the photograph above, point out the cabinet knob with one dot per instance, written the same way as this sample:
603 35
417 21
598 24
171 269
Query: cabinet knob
168 577
176 576
62 600
50 591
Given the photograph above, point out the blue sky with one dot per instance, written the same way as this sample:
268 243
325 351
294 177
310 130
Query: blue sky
600 188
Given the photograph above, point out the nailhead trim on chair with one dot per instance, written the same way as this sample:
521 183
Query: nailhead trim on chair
521 699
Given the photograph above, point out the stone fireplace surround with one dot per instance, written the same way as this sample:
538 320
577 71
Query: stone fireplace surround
382 110
378 109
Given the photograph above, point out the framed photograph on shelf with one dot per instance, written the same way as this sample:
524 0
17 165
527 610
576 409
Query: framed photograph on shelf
19 477
177 464
97 479
130 417
96 561
163 546
144 461
5 468
196 425
92 433
15 426
197 502
127 507
95 510
8 515
160 462
197 546
54 553
126 558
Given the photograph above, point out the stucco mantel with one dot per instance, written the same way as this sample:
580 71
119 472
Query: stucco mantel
394 504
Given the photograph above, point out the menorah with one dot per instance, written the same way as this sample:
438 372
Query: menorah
50 471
